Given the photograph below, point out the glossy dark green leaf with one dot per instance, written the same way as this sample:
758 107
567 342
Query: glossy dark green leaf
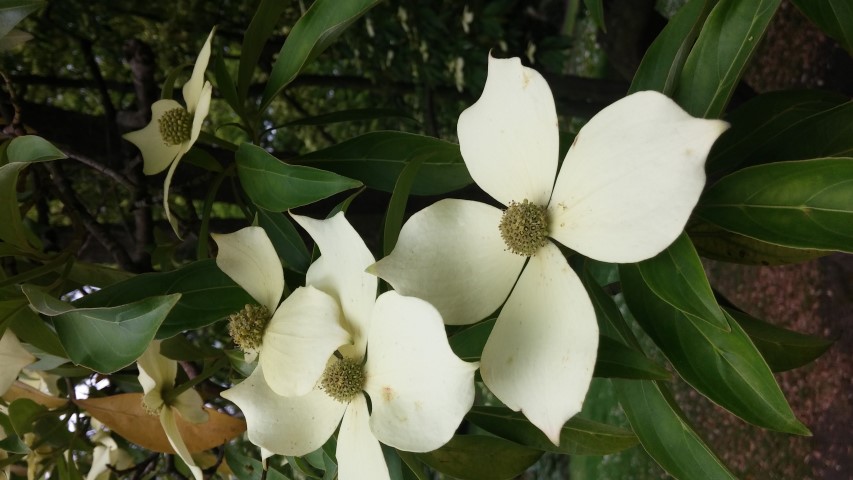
247 468
104 339
835 17
11 443
661 66
617 360
723 365
761 123
32 148
30 328
800 204
198 283
96 275
468 343
479 457
728 38
676 276
579 436
718 244
318 28
261 27
13 231
397 205
783 349
23 414
278 186
378 158
286 240
666 434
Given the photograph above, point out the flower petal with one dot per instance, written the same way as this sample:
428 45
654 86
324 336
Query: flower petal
200 114
451 254
285 425
156 373
170 427
303 333
340 272
156 153
191 407
509 137
249 258
420 390
359 453
193 88
540 356
13 357
631 179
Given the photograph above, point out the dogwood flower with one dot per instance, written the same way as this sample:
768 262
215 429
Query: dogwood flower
333 344
623 194
105 454
174 129
13 358
157 377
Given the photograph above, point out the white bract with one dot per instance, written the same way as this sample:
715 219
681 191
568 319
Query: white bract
332 344
624 193
174 129
157 377
13 358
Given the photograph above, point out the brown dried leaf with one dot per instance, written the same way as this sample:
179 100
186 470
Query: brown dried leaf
125 415
22 390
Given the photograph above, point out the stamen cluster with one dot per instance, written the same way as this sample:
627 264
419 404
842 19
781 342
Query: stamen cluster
524 227
247 326
176 126
343 379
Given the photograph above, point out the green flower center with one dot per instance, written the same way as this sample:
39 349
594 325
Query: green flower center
176 126
247 326
524 227
343 379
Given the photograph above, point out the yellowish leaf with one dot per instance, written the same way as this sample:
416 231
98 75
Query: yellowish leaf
22 390
125 415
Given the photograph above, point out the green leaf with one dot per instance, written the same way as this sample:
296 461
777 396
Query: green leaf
12 230
800 204
31 149
475 457
277 186
13 11
23 414
676 276
198 283
265 19
835 17
783 349
378 158
617 360
722 51
31 329
596 12
225 84
579 436
718 244
318 28
286 240
724 366
96 275
661 65
666 434
468 343
397 205
764 121
104 339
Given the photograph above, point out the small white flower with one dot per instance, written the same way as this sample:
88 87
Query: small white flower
467 19
174 129
13 358
157 377
624 193
333 344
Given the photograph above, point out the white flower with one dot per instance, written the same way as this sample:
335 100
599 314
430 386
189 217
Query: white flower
13 358
157 377
313 373
174 129
624 193
106 453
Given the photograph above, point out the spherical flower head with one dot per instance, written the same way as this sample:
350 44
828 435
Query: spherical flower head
174 128
247 326
624 192
314 372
